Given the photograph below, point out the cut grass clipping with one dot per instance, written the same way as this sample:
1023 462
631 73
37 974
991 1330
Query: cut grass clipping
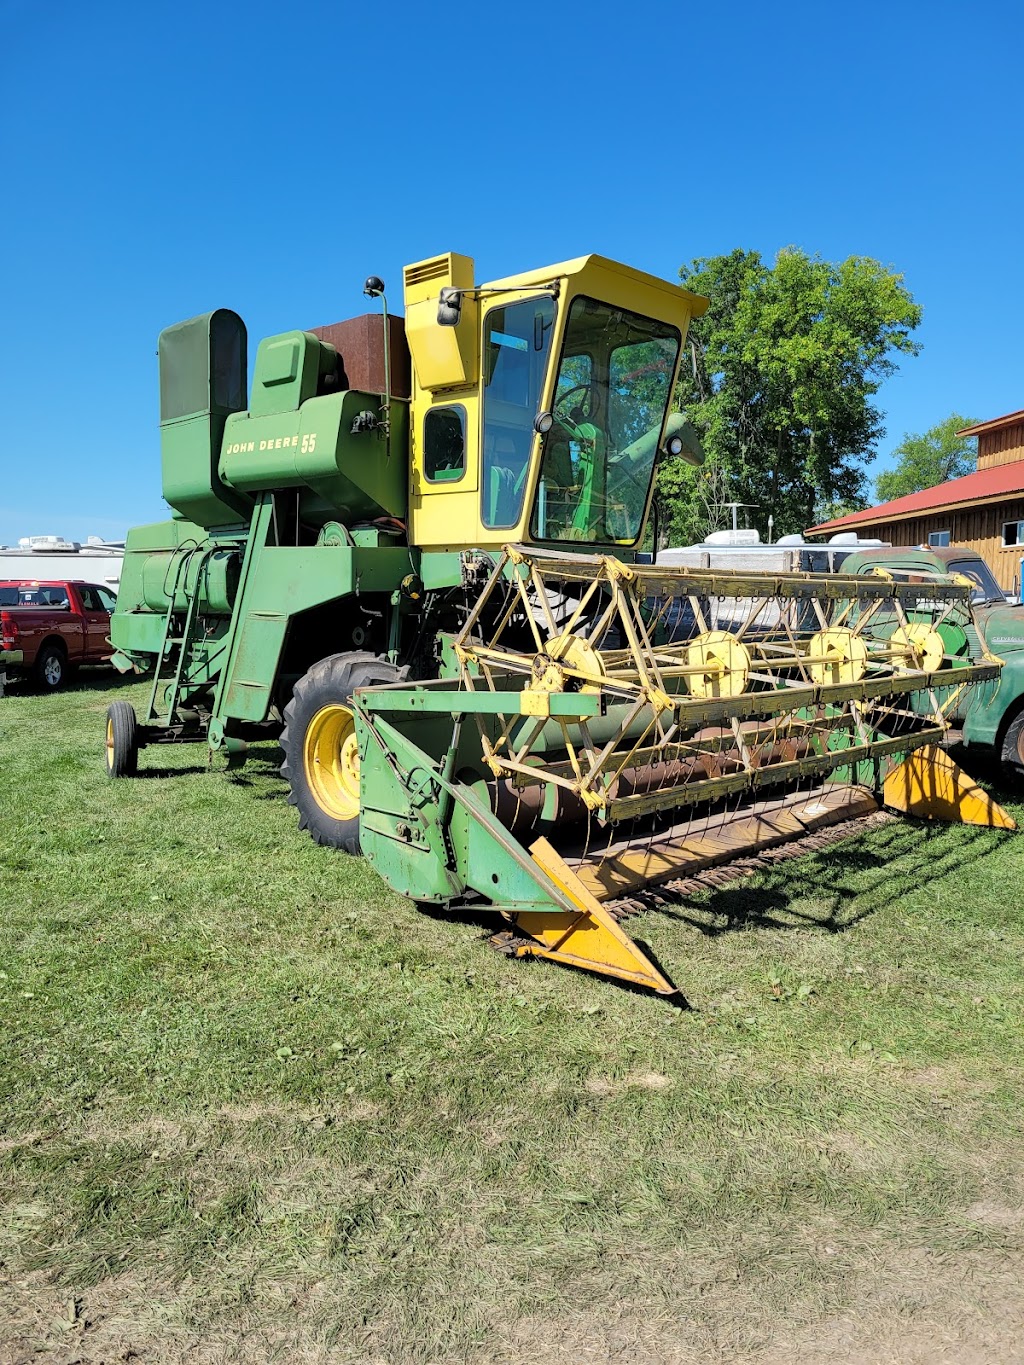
257 1107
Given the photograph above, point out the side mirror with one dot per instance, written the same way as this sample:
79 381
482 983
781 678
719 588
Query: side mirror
449 307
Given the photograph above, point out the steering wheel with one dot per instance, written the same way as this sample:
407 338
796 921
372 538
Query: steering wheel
564 398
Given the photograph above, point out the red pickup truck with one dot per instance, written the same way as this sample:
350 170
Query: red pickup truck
49 628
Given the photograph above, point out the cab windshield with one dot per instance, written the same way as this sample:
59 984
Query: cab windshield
611 395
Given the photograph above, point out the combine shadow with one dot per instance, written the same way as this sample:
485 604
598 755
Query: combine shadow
192 769
90 678
854 878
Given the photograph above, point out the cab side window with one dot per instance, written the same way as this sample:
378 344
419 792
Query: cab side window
444 444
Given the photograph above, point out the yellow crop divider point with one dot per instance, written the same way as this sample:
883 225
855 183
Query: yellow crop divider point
930 785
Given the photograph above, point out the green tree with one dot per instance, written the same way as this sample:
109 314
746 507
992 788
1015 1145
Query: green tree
780 382
923 461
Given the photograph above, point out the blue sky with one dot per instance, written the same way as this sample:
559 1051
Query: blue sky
158 161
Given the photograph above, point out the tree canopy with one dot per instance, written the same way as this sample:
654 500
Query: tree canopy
923 461
780 382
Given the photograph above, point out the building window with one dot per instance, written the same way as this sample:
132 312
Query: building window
1013 534
938 538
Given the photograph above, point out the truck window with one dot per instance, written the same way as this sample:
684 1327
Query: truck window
985 589
107 599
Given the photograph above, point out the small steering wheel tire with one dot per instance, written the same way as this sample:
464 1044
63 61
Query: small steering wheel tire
121 747
51 668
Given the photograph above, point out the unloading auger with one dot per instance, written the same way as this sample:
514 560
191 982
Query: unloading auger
605 727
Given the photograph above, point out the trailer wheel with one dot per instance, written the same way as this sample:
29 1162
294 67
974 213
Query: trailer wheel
51 668
122 742
321 757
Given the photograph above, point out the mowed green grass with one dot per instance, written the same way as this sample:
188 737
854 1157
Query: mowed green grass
255 1106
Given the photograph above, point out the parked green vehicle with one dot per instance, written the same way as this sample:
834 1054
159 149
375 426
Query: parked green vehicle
993 713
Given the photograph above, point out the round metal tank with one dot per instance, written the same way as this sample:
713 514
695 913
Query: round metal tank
218 581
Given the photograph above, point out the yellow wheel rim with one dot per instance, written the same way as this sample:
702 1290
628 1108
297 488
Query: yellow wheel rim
110 746
836 656
330 758
724 664
920 646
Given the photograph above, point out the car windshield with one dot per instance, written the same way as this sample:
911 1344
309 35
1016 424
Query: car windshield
611 395
985 588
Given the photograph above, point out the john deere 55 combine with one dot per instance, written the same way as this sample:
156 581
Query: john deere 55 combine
414 553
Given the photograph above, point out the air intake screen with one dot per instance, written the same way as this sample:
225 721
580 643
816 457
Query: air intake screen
203 366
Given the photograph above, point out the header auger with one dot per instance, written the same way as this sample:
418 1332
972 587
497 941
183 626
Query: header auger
411 551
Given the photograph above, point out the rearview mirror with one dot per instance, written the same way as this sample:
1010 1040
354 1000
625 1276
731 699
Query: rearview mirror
449 307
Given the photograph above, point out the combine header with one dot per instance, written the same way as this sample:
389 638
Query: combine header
414 557
607 733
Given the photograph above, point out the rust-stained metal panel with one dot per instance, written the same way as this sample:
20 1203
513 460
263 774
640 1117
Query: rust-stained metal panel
360 344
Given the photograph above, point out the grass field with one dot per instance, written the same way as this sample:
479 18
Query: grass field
256 1107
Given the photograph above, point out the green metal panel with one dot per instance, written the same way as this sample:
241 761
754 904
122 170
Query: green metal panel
287 370
202 380
441 569
254 665
348 472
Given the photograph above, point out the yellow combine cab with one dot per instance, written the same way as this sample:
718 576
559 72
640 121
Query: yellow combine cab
540 401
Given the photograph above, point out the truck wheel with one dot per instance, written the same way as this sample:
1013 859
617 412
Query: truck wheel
122 744
321 757
1013 744
51 668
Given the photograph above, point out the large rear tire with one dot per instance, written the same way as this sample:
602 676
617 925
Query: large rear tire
122 743
321 755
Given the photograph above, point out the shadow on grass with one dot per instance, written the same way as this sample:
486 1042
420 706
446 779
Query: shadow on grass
856 877
191 770
481 916
90 678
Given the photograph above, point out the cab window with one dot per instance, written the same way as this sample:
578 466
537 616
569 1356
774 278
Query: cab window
517 339
612 395
444 444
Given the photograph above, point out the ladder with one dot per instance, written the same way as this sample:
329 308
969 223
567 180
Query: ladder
182 563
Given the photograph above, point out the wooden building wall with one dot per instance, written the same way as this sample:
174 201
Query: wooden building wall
1001 446
977 528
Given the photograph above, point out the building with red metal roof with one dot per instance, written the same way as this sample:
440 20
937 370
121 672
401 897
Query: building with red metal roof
984 510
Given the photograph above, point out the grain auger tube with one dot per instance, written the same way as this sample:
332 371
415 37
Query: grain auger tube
619 726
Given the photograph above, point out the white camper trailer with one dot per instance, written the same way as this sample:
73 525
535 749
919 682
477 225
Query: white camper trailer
95 561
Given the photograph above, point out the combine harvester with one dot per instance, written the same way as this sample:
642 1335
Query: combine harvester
414 556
